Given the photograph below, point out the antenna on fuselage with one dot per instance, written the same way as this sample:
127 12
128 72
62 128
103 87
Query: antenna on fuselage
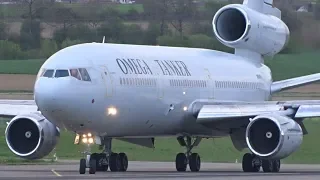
104 38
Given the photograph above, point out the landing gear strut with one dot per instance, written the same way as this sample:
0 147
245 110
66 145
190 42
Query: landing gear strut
253 163
183 159
102 161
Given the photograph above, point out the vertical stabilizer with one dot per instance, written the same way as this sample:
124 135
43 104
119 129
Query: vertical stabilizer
264 6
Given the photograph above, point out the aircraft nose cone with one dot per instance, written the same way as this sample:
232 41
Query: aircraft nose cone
48 94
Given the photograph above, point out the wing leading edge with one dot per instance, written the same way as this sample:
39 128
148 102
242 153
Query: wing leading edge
294 82
219 111
11 108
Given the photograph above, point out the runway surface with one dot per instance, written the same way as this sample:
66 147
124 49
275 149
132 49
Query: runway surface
156 170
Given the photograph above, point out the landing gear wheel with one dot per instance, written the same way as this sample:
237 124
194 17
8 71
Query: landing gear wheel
276 166
123 162
82 168
248 164
194 162
114 162
181 162
93 166
101 165
267 165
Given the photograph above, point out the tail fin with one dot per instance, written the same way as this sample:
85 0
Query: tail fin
264 6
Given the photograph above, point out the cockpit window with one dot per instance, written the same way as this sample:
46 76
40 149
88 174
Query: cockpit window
84 74
48 73
61 73
75 73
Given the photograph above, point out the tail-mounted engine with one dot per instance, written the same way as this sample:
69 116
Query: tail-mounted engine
238 26
31 136
273 136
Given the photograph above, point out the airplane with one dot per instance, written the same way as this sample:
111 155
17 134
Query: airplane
136 93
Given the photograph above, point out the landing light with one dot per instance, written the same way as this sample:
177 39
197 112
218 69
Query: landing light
112 111
185 108
90 140
87 138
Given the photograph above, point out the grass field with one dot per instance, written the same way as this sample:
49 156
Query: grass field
283 66
218 150
31 66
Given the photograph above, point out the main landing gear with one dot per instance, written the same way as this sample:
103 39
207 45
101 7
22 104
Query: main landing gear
103 161
252 163
183 159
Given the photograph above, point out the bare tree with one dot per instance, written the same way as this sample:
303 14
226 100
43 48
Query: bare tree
180 11
157 10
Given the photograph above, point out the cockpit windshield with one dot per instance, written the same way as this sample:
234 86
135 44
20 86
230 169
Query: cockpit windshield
61 73
80 73
48 73
75 73
84 74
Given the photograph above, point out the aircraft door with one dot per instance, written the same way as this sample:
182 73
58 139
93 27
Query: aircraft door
160 87
107 80
209 80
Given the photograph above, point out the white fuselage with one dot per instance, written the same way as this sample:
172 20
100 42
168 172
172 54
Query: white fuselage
150 87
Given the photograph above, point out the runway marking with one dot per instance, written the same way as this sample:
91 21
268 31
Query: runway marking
55 172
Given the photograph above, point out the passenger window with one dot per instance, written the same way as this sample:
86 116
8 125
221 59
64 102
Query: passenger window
75 73
48 73
85 75
61 73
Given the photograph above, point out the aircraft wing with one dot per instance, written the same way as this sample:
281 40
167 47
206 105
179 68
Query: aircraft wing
217 112
294 82
11 108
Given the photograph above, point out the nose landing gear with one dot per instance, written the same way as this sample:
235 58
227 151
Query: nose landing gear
103 161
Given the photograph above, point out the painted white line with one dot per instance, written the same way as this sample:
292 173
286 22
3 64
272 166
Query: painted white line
55 172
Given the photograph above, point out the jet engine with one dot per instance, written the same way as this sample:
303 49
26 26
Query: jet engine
240 27
273 136
31 136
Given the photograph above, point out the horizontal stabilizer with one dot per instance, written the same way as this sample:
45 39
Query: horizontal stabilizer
294 82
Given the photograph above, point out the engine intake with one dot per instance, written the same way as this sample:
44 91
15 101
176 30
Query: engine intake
31 136
231 31
273 136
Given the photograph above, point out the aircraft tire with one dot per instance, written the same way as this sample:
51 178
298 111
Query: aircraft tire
248 165
123 161
276 165
114 162
181 162
93 166
194 162
82 166
100 159
267 165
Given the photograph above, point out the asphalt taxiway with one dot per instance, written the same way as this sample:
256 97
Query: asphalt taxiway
156 170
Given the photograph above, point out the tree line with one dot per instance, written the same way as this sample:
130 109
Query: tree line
168 22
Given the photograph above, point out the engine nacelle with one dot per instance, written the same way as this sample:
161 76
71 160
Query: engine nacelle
273 136
240 27
31 136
